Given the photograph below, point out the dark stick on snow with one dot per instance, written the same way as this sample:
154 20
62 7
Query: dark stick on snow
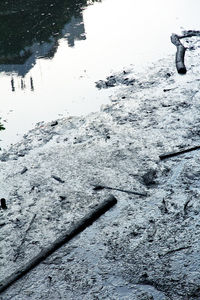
176 250
58 179
180 54
101 187
71 233
171 154
24 170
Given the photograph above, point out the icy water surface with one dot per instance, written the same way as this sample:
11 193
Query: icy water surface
53 51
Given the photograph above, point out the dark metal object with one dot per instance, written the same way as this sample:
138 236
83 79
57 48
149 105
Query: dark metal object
71 233
171 154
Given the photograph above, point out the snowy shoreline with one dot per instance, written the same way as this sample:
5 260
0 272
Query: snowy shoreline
146 248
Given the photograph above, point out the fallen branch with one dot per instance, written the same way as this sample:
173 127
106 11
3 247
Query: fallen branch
101 187
176 153
176 250
58 179
180 54
71 233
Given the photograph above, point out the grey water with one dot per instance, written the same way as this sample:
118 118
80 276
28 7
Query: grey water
53 51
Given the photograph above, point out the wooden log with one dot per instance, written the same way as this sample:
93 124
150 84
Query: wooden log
180 54
71 233
176 153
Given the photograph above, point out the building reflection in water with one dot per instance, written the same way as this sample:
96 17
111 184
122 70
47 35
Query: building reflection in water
31 30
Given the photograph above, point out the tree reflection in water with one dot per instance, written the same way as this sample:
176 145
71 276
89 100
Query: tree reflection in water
31 30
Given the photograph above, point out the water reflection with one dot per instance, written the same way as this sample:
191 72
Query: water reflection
119 33
23 83
31 30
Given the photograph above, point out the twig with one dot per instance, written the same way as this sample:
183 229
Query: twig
170 89
24 170
24 237
101 187
71 233
175 250
176 153
58 179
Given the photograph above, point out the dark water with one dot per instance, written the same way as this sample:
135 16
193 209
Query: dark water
32 29
52 52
